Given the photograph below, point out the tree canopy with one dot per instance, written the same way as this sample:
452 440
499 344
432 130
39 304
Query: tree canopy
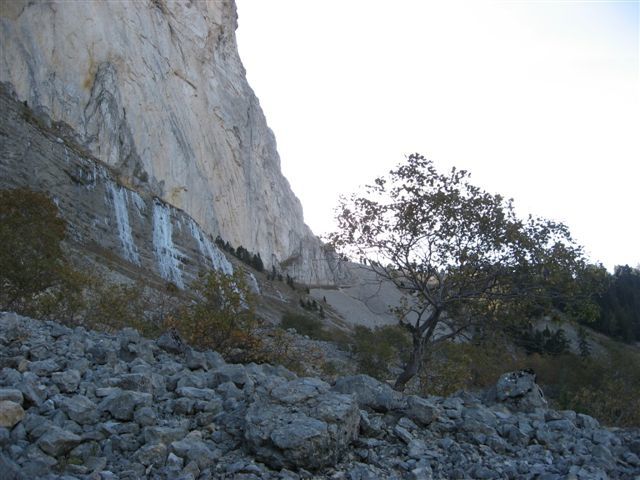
460 254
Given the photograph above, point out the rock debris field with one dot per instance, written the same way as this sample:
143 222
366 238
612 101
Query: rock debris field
81 404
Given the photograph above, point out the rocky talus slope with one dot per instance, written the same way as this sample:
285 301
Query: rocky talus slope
80 404
156 90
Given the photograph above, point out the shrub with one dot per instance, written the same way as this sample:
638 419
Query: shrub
304 325
116 306
377 349
467 366
31 257
221 317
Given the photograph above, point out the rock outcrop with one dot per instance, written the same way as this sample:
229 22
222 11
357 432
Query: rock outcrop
156 90
80 404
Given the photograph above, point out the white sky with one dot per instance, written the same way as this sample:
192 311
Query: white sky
539 100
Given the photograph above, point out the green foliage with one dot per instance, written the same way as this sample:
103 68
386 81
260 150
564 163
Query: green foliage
467 366
31 257
221 317
304 325
606 387
379 348
583 343
543 341
113 307
241 253
461 254
620 305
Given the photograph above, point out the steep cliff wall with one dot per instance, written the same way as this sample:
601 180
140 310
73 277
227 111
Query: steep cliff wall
156 90
102 215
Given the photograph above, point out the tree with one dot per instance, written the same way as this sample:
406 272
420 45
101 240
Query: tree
620 305
460 255
31 257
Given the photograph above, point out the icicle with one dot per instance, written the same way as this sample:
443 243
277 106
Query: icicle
120 207
166 253
218 260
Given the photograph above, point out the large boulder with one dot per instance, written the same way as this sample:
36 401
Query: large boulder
518 391
370 393
301 424
58 441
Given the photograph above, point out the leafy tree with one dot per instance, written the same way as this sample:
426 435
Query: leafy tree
461 255
31 257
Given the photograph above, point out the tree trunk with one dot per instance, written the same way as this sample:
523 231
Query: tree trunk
414 364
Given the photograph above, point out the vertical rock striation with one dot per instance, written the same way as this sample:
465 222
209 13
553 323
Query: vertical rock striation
156 90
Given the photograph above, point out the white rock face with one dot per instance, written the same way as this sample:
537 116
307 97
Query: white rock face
156 89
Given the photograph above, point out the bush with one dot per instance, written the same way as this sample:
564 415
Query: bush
304 325
221 317
31 257
467 366
380 348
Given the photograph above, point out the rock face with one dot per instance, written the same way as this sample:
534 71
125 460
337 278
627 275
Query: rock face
156 90
102 215
144 412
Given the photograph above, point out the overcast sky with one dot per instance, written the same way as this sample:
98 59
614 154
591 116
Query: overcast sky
539 100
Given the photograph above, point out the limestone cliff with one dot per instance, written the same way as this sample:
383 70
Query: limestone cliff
156 90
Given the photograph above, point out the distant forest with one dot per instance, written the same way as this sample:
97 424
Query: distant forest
620 305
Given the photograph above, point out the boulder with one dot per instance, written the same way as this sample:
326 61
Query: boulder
421 410
11 394
370 393
80 409
171 342
10 413
311 433
122 404
57 441
193 449
67 381
519 391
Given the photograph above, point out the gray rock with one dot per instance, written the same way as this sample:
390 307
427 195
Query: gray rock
231 372
121 405
67 381
421 410
370 393
12 395
10 413
10 470
196 360
300 390
197 393
403 434
312 435
152 454
171 342
164 435
519 391
135 382
57 441
34 392
145 416
194 449
42 368
80 409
